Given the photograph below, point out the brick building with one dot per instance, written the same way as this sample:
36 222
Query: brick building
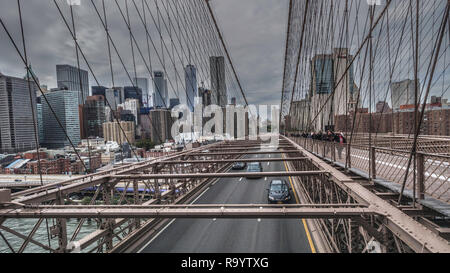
437 122
34 155
381 123
93 164
57 166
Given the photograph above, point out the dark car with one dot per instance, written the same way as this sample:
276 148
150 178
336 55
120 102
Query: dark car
279 192
239 166
255 168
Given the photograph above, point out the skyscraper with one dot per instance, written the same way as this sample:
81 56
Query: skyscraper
68 78
403 93
345 89
113 98
190 73
120 134
65 104
142 83
323 76
162 121
99 90
40 122
326 71
132 105
160 90
132 92
322 86
218 85
94 116
16 119
206 95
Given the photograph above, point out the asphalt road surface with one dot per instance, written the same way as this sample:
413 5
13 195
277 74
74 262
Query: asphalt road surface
234 235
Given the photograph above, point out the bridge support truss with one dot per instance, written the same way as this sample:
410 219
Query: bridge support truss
130 202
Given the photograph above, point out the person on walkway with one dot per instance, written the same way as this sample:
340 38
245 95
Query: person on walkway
342 141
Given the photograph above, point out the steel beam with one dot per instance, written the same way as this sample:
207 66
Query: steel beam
191 212
235 160
247 153
219 175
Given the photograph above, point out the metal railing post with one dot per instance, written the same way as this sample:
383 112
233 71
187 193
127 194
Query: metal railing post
348 155
420 157
373 163
61 227
333 144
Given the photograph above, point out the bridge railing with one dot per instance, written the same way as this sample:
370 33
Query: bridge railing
432 175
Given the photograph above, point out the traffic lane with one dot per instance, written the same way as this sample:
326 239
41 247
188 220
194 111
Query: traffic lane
234 235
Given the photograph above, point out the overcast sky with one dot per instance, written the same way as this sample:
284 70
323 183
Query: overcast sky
254 31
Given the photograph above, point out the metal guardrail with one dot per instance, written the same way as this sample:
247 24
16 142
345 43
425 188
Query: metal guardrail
432 176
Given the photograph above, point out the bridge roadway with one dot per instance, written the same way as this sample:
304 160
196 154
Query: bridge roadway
234 235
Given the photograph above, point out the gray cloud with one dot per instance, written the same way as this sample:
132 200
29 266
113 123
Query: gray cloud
254 30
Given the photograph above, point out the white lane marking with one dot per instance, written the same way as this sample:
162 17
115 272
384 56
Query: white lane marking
214 219
268 163
156 236
265 178
259 220
241 179
198 197
171 222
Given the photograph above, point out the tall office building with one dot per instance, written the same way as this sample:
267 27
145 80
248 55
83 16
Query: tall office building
99 91
113 132
94 116
16 119
403 93
162 121
190 73
65 104
218 84
142 83
345 89
40 122
131 92
160 91
300 115
132 105
206 96
113 97
322 86
68 78
326 71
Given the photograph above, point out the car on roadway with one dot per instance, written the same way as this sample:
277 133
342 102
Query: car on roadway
279 192
239 166
255 167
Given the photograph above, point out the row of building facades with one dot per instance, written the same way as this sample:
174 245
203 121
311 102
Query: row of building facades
322 111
